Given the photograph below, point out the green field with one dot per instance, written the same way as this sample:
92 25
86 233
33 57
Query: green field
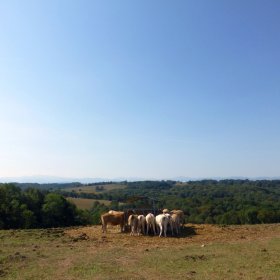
203 252
93 189
86 203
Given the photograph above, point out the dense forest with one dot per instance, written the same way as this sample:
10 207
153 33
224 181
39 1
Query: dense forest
35 208
206 201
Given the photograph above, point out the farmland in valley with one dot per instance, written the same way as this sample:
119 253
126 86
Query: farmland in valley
86 203
96 188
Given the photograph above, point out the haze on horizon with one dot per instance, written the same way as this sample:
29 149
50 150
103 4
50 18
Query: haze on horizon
149 89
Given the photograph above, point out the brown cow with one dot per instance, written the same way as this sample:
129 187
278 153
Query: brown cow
114 212
116 218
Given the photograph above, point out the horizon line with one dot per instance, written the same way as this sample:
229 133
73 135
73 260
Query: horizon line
45 179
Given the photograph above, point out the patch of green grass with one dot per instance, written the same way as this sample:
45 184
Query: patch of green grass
252 260
31 254
113 263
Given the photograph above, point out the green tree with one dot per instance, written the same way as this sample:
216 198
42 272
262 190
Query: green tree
57 211
28 218
96 211
34 199
10 201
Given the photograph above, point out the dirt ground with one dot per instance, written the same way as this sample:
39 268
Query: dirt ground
200 252
192 233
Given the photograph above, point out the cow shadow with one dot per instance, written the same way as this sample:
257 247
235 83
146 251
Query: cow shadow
186 231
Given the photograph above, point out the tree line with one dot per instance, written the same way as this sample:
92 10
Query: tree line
204 201
36 208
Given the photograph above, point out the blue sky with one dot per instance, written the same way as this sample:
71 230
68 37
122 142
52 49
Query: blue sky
150 89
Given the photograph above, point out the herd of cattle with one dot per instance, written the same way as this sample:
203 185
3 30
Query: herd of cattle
141 224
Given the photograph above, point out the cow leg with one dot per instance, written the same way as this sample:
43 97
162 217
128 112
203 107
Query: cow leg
154 228
160 232
104 228
165 229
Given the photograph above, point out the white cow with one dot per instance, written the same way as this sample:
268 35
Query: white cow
170 222
151 223
162 222
141 224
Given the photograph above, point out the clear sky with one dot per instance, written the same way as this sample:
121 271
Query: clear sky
151 89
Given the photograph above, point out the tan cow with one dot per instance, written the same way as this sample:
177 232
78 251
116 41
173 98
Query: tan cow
126 215
133 223
176 221
165 211
141 224
113 218
181 214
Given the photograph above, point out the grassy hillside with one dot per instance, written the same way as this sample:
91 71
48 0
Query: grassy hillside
96 188
203 252
86 203
206 201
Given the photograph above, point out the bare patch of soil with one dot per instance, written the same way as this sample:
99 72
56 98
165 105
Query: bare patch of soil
192 233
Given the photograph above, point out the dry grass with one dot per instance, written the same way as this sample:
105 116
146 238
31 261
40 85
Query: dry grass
86 203
92 189
202 252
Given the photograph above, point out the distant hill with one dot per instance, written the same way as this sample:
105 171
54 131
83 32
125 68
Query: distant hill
45 179
41 179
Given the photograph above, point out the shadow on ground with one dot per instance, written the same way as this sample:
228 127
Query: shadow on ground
187 231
